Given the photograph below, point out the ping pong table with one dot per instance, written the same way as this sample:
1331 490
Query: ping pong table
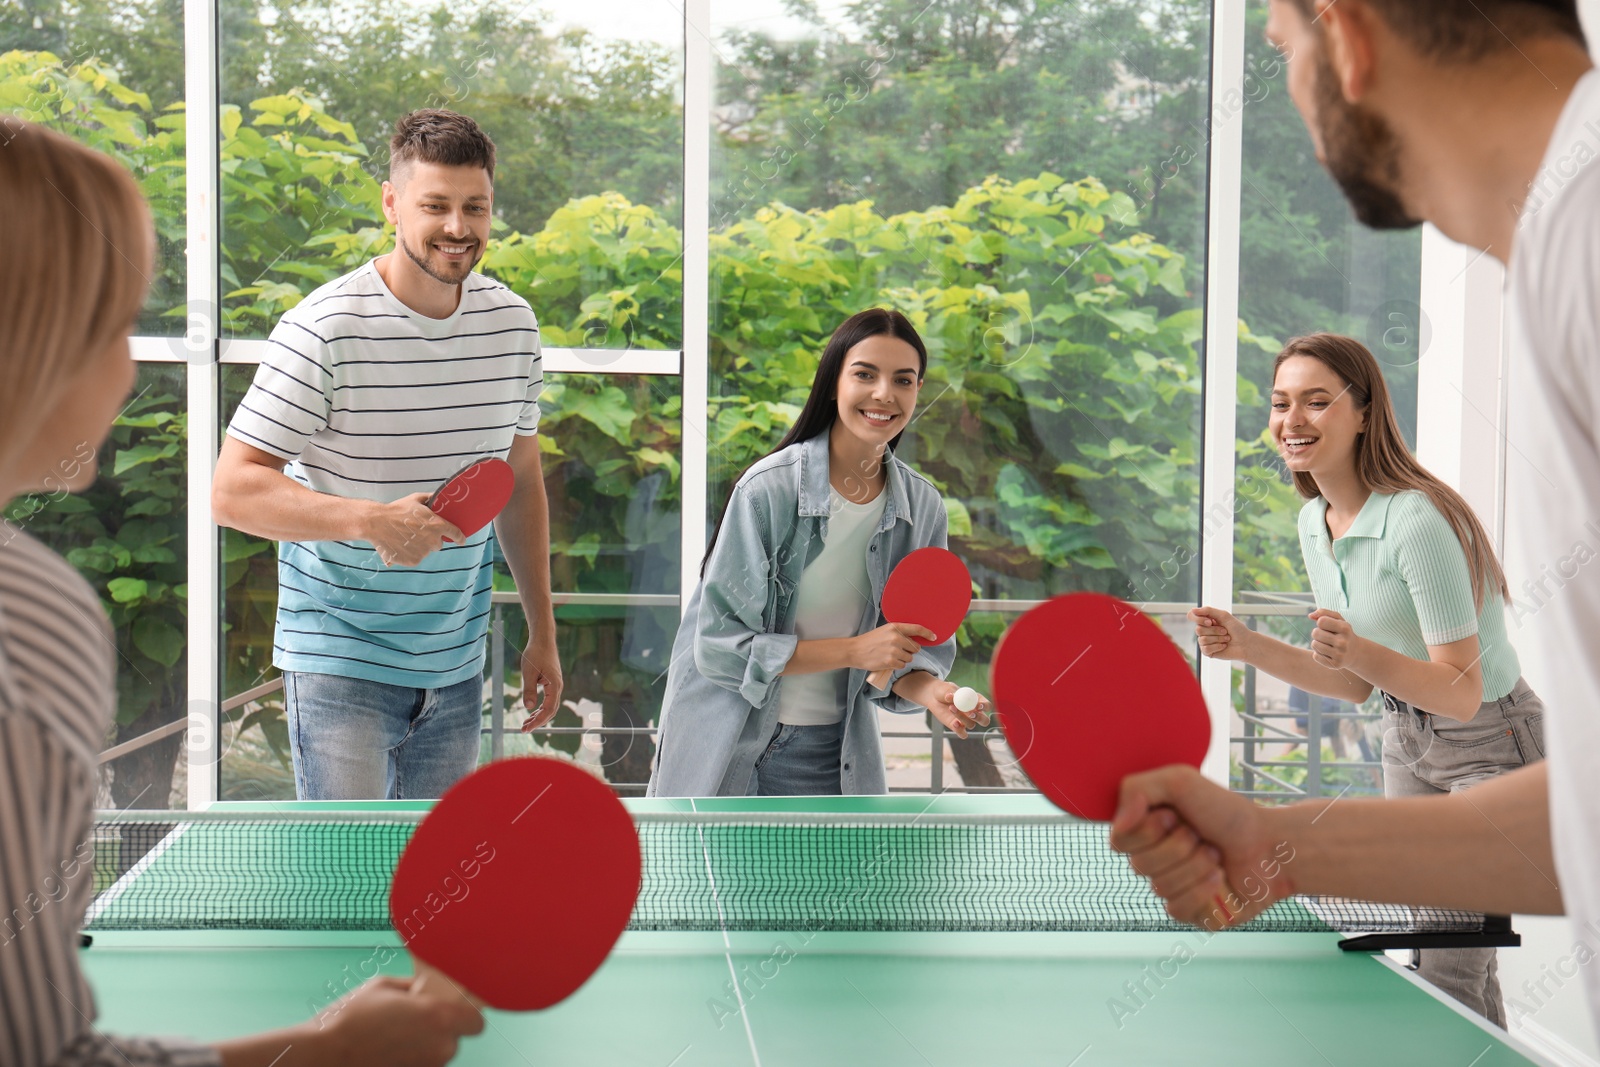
831 990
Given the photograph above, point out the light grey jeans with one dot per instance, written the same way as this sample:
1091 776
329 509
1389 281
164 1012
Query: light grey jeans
1427 754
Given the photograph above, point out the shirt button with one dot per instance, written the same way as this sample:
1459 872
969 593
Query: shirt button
847 766
874 548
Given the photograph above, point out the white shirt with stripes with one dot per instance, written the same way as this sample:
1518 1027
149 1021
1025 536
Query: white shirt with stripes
57 656
365 398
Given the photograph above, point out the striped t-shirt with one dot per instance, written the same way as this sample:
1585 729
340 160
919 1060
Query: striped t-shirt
1399 576
56 694
368 399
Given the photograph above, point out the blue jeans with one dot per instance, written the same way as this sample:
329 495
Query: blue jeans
352 739
800 761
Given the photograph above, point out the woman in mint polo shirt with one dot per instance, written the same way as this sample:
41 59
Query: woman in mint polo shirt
1410 601
767 691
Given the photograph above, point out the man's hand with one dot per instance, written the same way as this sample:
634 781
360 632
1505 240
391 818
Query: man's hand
1209 853
1221 635
541 666
406 531
1334 642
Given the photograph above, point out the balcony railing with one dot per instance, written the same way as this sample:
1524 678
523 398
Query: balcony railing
1272 751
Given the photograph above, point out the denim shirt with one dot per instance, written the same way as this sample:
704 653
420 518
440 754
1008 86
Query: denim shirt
737 635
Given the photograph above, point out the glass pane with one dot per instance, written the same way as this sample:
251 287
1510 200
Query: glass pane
127 534
1027 184
1305 265
255 740
611 446
110 75
612 477
584 110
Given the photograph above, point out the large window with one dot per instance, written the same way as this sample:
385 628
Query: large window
111 76
1305 266
109 73
588 128
1027 187
1026 180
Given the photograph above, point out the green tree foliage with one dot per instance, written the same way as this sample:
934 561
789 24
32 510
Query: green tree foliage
89 102
570 113
915 101
1061 413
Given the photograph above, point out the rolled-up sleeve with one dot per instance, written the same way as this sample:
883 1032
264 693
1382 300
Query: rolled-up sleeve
735 649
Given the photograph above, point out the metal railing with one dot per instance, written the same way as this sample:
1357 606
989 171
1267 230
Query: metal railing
1274 753
1278 742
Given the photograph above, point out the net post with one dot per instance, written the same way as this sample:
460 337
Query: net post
936 768
1496 932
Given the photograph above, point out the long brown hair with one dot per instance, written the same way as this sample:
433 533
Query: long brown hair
87 230
821 410
1383 462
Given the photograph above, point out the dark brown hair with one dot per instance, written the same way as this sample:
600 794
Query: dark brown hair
821 410
1452 30
1383 462
434 135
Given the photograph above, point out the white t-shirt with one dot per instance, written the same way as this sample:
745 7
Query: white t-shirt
1553 492
833 595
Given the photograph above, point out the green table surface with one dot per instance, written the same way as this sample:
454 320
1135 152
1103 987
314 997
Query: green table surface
880 999
667 999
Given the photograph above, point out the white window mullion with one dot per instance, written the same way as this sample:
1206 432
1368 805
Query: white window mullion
697 81
1225 179
201 168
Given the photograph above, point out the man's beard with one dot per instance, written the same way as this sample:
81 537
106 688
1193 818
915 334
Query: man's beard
1362 154
432 271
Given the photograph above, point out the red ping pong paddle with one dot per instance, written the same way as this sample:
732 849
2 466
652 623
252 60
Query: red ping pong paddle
469 893
1060 676
475 496
930 587
1089 690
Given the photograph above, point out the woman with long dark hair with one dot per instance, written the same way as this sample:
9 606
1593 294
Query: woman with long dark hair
1410 601
767 691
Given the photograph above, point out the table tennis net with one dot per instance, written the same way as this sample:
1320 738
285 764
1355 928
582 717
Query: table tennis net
767 872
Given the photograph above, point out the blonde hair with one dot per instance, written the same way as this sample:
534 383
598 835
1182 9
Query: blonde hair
1383 462
80 283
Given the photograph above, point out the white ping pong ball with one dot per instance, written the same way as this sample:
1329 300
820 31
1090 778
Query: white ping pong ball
965 699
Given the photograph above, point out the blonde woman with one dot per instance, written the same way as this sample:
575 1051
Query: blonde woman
1410 601
69 295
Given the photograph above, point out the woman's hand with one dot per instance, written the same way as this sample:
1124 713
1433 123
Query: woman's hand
939 698
1334 642
1221 635
889 647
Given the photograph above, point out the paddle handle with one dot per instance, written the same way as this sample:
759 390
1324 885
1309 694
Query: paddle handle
878 679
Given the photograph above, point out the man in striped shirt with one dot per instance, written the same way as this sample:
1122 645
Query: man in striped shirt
379 386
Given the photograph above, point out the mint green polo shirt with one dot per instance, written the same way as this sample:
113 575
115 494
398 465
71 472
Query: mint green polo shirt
1399 577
